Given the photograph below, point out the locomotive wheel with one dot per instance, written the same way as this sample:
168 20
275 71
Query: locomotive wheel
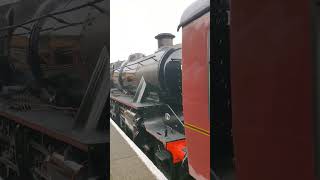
121 124
142 140
163 160
183 174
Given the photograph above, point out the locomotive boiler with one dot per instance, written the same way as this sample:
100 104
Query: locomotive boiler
57 53
146 104
54 87
161 71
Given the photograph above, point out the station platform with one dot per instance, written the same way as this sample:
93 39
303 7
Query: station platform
127 161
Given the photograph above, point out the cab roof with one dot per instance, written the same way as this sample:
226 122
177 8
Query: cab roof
194 11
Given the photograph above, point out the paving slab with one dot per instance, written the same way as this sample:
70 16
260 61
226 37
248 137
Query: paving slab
125 164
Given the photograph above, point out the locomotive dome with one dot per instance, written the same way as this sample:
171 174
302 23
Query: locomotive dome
135 56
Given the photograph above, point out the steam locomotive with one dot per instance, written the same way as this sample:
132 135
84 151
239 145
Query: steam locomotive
54 89
146 103
163 102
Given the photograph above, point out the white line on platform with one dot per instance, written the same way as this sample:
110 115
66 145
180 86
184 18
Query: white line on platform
152 168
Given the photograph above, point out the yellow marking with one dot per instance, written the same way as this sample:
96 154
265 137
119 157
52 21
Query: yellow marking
204 130
197 129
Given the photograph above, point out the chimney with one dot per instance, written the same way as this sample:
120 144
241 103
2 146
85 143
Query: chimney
164 39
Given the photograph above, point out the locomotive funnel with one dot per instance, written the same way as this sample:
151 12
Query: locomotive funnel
164 39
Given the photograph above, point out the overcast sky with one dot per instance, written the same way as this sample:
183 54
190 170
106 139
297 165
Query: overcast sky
135 23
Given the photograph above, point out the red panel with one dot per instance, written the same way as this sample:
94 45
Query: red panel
195 95
271 80
177 150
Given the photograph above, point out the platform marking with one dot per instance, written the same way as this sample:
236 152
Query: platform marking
152 168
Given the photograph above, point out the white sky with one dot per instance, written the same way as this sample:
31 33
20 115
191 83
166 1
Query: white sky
135 23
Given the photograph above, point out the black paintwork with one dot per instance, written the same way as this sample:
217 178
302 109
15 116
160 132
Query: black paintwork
55 63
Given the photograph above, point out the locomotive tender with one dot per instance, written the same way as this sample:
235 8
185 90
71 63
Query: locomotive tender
54 89
146 104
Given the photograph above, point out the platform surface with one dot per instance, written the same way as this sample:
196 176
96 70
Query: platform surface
125 164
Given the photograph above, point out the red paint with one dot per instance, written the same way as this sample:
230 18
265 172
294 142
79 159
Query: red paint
271 81
177 150
195 91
